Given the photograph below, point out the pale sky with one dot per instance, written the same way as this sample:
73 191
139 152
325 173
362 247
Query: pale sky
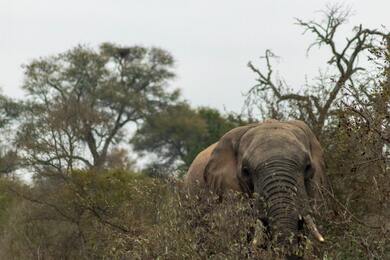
211 40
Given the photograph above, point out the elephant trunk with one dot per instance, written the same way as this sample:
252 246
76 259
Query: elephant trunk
279 185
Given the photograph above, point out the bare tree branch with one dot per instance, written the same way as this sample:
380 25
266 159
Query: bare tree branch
345 61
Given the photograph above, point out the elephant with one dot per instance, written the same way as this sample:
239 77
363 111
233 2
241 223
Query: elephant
281 162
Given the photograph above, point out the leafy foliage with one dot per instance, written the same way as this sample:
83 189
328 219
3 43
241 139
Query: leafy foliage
177 134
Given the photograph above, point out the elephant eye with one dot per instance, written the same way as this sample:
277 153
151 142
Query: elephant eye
245 172
309 172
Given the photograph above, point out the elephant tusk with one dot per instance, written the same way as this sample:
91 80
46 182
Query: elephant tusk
313 228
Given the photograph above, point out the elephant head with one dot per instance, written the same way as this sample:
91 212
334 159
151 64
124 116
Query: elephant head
281 162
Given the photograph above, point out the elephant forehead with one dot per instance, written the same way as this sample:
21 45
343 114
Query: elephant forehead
272 141
271 134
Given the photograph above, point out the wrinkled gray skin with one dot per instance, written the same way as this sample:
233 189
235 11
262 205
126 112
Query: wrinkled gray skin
280 161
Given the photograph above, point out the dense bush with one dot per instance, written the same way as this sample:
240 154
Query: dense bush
122 215
125 215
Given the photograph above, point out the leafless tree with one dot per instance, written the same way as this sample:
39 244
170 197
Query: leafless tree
315 105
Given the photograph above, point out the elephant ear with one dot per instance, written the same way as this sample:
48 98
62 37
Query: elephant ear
320 179
221 170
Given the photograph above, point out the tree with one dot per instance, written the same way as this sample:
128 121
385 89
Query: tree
177 134
317 102
81 101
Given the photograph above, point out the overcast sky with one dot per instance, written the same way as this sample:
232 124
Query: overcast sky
211 40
